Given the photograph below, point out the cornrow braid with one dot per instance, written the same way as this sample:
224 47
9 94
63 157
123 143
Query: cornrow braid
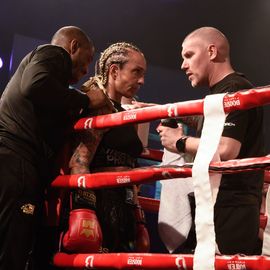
117 53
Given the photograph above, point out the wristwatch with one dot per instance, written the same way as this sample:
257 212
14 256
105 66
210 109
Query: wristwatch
181 144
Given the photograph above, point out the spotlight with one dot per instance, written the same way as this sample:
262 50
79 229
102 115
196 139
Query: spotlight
1 62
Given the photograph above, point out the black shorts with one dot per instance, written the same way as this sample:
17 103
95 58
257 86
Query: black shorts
117 220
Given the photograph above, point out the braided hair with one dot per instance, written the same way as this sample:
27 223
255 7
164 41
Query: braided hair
116 53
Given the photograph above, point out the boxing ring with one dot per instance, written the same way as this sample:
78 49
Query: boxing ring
237 101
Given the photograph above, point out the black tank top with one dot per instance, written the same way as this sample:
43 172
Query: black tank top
120 146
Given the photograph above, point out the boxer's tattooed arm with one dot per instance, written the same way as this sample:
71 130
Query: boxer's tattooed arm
87 142
79 162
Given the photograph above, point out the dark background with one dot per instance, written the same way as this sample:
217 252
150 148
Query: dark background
156 26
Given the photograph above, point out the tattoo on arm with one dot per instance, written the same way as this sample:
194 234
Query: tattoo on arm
87 142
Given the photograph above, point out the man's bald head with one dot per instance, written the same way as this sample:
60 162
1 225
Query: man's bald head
206 56
80 48
210 35
66 34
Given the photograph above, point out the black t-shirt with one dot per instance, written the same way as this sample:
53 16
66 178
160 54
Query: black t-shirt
120 146
246 126
37 105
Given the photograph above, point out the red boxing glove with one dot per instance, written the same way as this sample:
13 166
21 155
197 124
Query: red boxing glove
84 234
142 236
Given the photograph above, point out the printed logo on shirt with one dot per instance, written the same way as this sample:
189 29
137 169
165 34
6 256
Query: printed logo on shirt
229 124
103 250
118 158
28 209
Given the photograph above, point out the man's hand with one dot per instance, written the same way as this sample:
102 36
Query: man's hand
138 105
99 100
169 136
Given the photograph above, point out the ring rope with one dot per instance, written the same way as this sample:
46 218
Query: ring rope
154 173
240 100
156 261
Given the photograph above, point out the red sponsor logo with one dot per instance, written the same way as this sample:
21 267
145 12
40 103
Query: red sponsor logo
130 116
236 265
232 102
134 260
123 179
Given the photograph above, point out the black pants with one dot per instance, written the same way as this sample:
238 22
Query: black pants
237 229
20 200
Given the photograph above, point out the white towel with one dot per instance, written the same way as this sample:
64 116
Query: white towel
174 217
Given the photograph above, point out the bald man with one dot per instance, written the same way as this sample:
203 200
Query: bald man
206 62
36 111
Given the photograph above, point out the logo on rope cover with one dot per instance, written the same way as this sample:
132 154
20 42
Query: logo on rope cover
236 265
130 116
122 179
180 263
88 123
172 110
89 262
81 181
134 260
232 102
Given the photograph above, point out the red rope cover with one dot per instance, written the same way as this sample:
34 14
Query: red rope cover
240 100
156 261
154 173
